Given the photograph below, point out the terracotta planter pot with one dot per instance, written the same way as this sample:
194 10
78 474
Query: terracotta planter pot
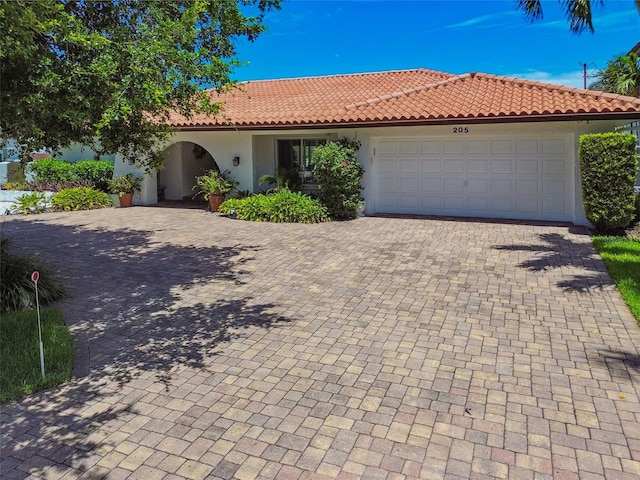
126 200
215 201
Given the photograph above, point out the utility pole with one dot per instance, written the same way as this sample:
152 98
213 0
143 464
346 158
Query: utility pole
584 75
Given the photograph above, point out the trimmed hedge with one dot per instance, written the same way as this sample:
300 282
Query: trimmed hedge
52 170
281 206
95 173
81 198
608 165
339 176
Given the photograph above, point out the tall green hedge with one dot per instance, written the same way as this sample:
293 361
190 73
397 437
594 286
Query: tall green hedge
339 177
608 165
97 173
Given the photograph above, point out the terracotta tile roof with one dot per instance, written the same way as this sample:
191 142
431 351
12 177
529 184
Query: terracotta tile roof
414 96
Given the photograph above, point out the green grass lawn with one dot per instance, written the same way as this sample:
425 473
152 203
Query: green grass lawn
20 355
622 257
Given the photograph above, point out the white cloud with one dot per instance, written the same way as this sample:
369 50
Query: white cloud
569 79
501 19
607 22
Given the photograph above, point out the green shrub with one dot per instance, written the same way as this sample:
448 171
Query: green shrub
637 219
281 206
54 171
15 186
121 184
17 291
34 202
608 165
97 173
214 183
242 193
80 198
338 174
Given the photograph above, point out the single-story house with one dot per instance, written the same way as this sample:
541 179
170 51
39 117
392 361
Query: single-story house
433 143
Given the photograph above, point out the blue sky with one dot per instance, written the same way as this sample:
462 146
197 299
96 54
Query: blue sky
308 38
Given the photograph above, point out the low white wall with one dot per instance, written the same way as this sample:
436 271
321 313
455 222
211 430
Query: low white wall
8 197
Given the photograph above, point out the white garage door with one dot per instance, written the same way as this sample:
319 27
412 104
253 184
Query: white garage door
520 178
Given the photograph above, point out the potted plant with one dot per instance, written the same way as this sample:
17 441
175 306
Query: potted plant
125 186
214 186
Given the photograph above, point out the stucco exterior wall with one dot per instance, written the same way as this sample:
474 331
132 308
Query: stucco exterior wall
256 149
264 158
224 146
170 178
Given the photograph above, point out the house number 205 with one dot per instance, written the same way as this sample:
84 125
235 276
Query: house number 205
460 129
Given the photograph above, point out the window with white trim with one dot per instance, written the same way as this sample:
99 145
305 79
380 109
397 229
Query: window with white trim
294 155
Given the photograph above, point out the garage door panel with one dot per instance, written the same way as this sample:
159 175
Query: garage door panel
387 202
477 204
527 166
527 187
553 207
502 166
454 203
554 145
527 205
387 184
478 185
502 146
431 204
503 205
386 165
553 166
430 147
518 177
477 147
502 186
408 184
389 147
408 147
431 185
407 202
478 166
454 166
454 147
526 146
453 185
431 166
407 165
554 188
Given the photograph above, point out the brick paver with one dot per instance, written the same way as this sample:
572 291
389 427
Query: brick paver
379 348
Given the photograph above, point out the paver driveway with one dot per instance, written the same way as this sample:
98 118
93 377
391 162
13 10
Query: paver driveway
379 348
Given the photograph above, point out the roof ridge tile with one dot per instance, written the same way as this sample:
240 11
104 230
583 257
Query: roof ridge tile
555 86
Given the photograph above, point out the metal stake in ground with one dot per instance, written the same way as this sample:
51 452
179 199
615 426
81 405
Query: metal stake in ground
34 278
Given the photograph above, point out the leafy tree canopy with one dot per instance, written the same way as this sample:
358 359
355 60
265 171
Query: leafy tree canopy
578 12
108 73
622 75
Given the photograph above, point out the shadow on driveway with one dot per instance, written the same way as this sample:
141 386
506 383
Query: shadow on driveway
143 315
558 251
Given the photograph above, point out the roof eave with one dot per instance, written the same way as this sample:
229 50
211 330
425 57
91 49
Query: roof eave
424 121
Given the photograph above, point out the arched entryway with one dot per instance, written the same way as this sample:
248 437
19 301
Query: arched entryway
184 161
